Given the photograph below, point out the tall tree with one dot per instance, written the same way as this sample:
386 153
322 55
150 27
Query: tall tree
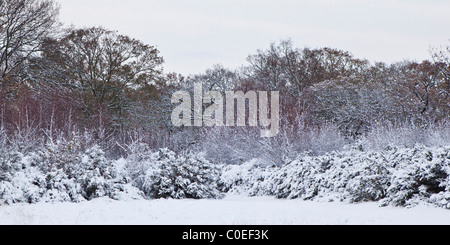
104 68
24 24
293 70
442 60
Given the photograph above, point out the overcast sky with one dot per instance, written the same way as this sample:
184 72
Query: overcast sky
193 35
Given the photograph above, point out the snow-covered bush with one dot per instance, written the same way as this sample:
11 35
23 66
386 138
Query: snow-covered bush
357 176
56 186
419 174
139 161
298 179
369 183
97 175
25 182
252 178
57 175
344 175
398 176
16 179
182 176
64 171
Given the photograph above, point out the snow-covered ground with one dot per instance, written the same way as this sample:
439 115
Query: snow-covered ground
233 210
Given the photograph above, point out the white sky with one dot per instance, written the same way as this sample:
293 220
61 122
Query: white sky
193 35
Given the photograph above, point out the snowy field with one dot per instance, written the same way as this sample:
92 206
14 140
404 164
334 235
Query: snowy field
233 210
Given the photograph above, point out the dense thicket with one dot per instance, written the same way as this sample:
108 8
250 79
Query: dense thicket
396 176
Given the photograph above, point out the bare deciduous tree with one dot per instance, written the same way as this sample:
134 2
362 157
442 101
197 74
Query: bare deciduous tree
23 26
104 68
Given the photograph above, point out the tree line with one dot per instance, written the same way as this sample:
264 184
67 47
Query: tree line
59 80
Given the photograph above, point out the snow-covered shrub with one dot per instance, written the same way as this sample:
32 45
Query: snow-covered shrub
298 179
398 176
56 186
365 176
138 162
62 171
19 180
352 176
47 176
9 165
419 174
182 176
252 178
84 175
97 175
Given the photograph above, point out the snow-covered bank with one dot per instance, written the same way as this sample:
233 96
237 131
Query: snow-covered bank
233 210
